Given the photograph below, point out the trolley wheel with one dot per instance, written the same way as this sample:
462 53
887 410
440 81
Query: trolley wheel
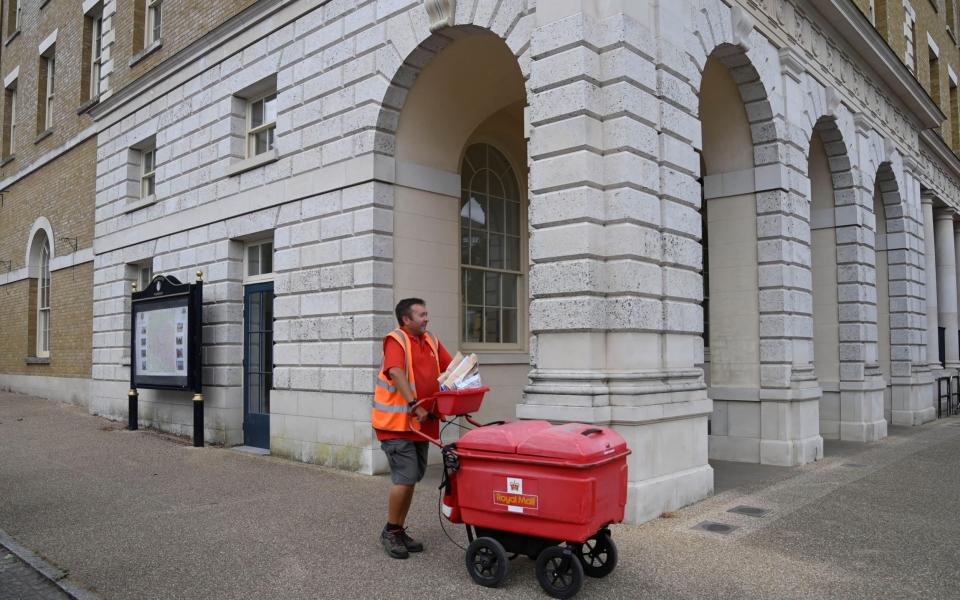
487 561
598 555
559 572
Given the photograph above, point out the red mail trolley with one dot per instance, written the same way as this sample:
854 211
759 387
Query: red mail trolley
545 491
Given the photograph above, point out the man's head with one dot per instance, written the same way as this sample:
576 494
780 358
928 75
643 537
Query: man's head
412 315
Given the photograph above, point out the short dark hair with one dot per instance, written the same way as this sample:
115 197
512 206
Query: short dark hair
404 307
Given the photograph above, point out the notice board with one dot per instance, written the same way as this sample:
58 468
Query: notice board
166 327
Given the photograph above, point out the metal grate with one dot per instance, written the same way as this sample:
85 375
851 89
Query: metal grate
750 511
712 527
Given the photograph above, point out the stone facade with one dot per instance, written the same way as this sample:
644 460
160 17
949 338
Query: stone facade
778 147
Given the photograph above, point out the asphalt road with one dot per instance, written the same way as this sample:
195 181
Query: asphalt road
144 515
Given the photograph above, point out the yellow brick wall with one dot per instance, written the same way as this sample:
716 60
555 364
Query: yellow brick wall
63 192
36 24
71 324
935 22
183 22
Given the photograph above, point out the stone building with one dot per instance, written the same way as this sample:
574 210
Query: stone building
723 228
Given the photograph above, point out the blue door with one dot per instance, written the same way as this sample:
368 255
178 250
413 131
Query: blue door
257 363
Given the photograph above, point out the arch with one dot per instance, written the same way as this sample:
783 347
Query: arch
32 256
511 22
458 87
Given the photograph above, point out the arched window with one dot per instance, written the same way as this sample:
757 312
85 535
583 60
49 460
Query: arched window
43 296
491 268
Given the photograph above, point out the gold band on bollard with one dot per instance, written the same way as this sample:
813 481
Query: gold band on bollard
198 397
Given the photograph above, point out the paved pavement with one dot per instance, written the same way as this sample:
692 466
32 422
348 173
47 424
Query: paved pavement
18 580
144 515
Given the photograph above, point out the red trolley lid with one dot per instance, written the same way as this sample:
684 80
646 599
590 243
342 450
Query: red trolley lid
575 442
501 438
572 442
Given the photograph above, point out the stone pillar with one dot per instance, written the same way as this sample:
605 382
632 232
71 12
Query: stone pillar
911 379
613 223
947 286
933 347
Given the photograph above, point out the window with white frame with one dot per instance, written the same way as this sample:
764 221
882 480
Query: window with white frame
43 300
46 90
261 124
148 172
96 49
144 276
258 260
909 34
491 267
154 21
10 120
13 16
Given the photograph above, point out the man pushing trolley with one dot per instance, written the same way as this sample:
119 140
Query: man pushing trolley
548 492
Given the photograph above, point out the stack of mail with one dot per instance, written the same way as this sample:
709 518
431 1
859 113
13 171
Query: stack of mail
462 373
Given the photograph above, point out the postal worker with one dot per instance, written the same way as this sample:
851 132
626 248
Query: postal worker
413 359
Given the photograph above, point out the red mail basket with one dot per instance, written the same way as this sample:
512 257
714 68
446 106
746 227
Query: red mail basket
459 402
561 482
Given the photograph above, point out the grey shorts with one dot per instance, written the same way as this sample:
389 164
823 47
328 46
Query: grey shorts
408 460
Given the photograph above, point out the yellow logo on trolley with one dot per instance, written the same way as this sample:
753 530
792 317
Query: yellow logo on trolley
514 499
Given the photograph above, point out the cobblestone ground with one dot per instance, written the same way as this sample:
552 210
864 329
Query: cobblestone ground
18 581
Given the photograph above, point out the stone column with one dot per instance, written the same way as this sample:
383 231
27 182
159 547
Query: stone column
612 223
947 286
933 351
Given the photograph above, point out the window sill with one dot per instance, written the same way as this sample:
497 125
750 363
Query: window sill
11 37
43 136
492 357
146 52
253 162
7 160
38 360
138 204
88 105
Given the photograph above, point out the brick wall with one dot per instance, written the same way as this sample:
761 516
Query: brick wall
933 18
183 22
63 192
71 315
37 24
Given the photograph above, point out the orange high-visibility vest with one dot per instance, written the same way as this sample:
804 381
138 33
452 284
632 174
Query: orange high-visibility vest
389 410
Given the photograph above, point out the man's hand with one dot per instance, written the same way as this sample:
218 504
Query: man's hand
421 414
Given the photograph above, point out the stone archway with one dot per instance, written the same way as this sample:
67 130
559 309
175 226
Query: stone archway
844 292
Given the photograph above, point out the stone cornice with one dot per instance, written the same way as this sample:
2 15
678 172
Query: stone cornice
861 35
942 169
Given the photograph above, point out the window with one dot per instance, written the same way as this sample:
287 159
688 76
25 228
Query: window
259 261
148 173
872 8
490 248
13 16
144 276
909 33
46 90
154 21
261 124
954 112
92 56
10 120
43 301
934 64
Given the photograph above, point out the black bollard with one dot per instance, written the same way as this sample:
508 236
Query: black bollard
132 417
198 420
